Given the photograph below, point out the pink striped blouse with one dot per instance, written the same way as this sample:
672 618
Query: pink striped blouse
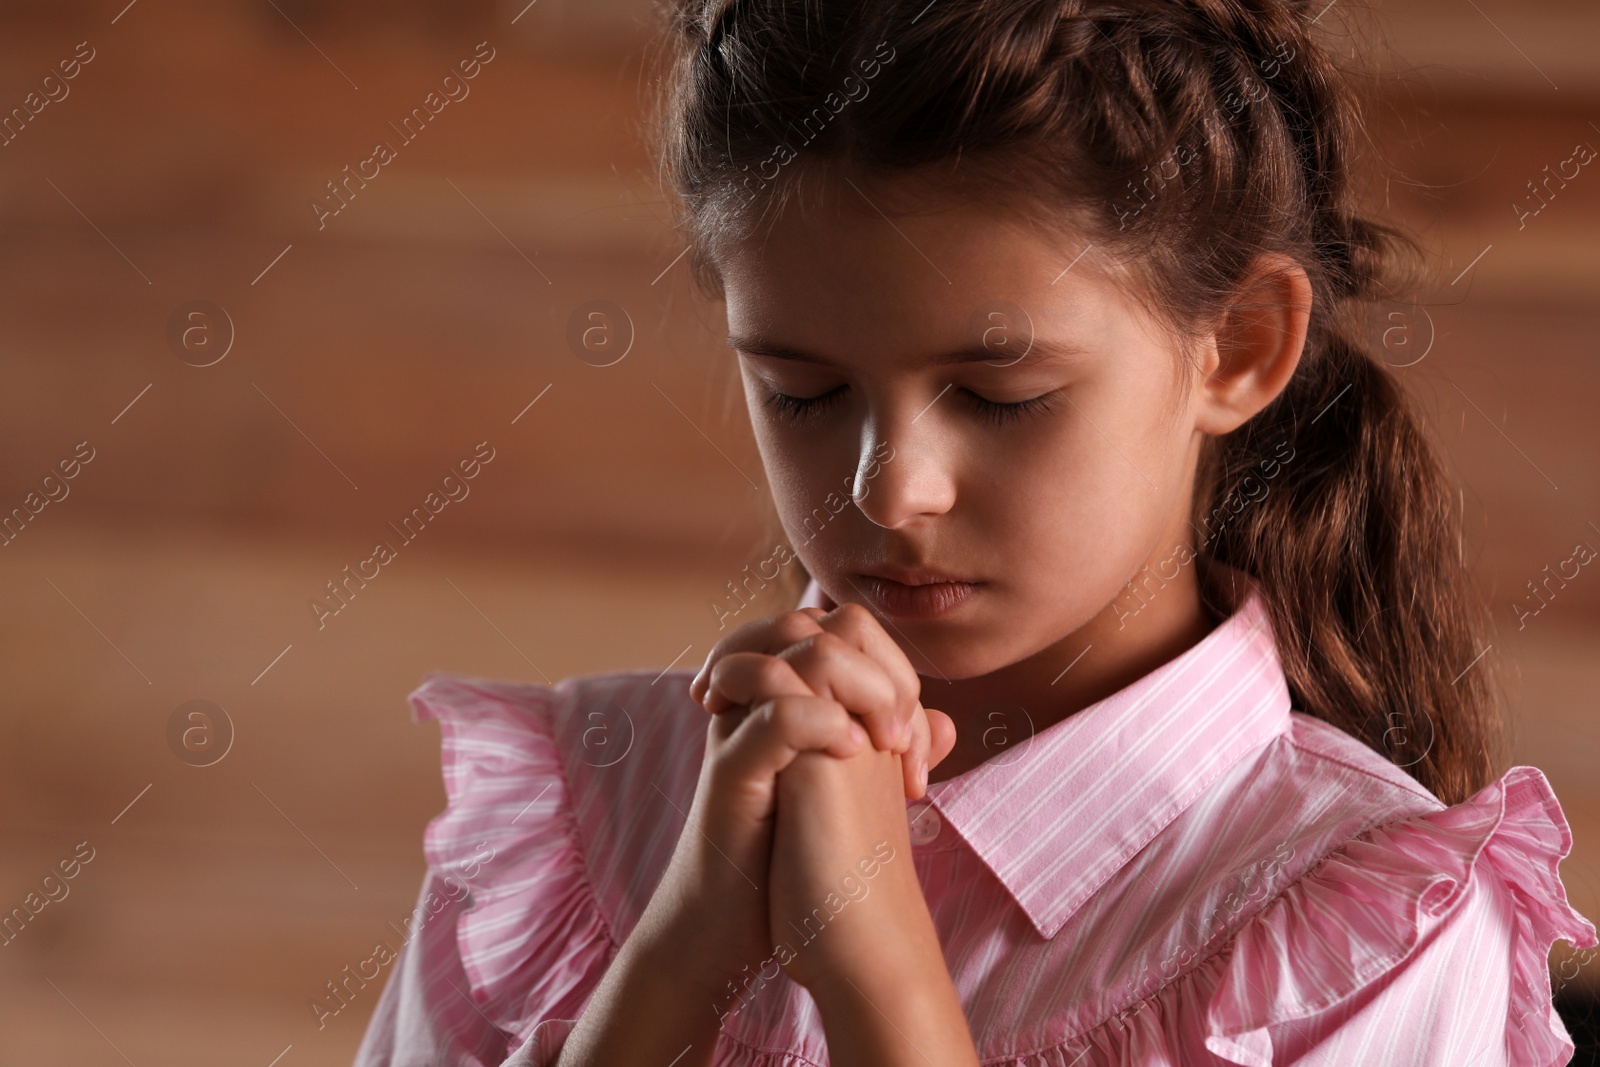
1186 872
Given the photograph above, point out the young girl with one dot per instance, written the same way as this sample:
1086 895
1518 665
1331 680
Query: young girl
1046 316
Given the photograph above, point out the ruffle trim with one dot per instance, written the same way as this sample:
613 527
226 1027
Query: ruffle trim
1424 862
532 939
542 1045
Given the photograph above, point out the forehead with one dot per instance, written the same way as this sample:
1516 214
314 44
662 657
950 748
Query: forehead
856 267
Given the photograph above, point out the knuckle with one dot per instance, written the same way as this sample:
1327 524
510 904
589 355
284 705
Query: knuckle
719 670
824 648
779 716
786 718
714 655
795 721
854 623
740 637
854 616
792 626
730 645
721 676
821 661
720 649
907 690
770 674
860 622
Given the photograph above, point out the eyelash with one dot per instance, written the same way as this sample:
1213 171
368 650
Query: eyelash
797 409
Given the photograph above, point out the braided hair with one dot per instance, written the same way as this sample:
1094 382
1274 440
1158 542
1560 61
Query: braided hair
1184 139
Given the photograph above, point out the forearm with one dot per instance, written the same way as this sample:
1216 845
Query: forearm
908 1017
654 1006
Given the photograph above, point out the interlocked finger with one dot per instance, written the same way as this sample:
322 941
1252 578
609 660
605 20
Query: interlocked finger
770 635
777 730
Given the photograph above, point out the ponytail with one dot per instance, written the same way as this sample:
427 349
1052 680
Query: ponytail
1356 545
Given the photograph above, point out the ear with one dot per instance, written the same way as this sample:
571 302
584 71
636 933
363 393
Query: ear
1256 346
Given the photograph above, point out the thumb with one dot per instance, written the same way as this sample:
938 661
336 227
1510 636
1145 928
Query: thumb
941 735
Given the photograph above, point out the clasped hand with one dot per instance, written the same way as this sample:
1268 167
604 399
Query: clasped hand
817 737
795 849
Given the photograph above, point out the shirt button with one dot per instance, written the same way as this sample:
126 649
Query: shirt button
924 824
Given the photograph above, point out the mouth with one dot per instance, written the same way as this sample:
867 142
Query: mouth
917 594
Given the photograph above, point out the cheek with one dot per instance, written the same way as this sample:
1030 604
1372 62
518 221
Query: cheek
1128 445
779 457
1062 475
803 463
1065 517
798 474
1082 503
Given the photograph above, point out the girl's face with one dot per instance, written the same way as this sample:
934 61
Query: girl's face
899 342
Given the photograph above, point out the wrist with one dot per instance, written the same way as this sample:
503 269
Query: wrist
694 945
648 1008
909 1016
680 945
880 937
903 963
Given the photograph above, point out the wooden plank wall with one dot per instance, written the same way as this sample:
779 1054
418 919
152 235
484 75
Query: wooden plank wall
373 349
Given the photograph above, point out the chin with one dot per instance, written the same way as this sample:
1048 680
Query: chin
955 658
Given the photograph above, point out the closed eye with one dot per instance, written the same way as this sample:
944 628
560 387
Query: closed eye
798 408
1000 414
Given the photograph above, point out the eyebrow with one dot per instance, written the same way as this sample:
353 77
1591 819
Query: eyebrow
1044 350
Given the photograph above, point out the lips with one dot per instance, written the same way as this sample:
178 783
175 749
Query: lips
916 576
917 594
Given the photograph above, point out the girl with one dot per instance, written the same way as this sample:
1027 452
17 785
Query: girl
1046 316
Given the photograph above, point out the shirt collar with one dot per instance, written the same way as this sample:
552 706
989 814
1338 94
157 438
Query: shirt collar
1079 799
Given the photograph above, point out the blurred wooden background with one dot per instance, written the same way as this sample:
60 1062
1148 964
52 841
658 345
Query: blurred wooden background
371 355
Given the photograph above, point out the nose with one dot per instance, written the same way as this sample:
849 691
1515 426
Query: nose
905 479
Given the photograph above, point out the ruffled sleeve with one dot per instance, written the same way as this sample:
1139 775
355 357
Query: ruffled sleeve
531 940
1423 941
423 1017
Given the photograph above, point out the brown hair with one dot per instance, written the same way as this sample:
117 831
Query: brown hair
1186 138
